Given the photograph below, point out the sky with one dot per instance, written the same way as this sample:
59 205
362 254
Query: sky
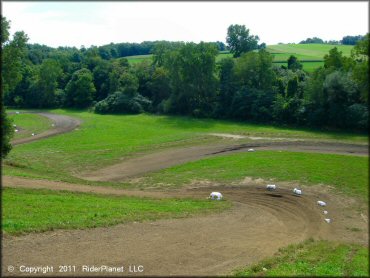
98 23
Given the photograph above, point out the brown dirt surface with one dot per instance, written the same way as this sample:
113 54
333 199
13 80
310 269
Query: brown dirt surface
62 124
255 227
259 223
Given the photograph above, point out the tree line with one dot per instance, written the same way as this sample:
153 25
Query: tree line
185 79
346 40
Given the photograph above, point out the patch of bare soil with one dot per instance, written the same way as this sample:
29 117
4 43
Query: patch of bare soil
259 223
62 124
236 136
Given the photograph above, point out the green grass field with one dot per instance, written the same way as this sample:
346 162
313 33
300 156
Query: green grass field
313 258
307 66
29 123
104 139
305 51
310 55
138 58
349 174
27 210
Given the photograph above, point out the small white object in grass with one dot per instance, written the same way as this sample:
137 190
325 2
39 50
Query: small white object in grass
327 220
251 150
16 130
297 191
16 112
271 187
215 196
264 268
33 134
325 212
321 203
52 124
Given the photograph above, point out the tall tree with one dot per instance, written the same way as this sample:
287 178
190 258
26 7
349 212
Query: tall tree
192 78
254 70
227 86
361 70
12 52
46 84
80 89
240 41
293 63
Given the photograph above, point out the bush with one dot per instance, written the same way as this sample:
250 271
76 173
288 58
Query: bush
357 116
120 102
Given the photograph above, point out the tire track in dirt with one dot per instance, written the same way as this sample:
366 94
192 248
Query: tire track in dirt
62 124
202 245
259 223
145 163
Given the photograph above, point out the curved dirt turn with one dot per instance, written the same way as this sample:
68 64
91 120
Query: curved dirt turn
143 164
259 223
62 124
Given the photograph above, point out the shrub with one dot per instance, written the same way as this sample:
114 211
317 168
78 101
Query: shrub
119 102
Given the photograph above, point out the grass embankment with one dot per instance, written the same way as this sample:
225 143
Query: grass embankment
314 258
104 140
28 124
27 210
349 174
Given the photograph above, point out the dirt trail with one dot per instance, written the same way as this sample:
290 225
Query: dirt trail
18 182
163 159
257 225
62 124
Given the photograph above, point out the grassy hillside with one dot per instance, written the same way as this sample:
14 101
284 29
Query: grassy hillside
104 139
305 52
311 55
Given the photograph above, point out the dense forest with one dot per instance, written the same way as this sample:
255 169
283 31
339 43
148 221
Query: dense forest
184 79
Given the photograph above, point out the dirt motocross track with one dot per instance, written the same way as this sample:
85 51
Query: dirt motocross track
258 224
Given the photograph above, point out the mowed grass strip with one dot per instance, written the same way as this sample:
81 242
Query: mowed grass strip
103 140
28 124
349 174
313 258
28 210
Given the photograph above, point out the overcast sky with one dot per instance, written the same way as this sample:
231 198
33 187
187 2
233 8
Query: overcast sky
98 23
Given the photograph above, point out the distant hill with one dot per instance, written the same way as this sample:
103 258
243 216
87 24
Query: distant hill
310 55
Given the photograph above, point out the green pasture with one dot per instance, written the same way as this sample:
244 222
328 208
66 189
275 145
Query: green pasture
310 55
28 124
307 66
304 52
313 258
26 210
138 58
349 174
103 140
